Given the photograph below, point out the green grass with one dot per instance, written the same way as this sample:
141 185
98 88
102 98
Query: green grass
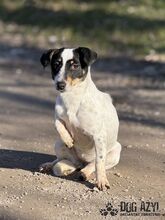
126 27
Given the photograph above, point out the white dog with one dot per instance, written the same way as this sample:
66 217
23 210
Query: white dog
85 118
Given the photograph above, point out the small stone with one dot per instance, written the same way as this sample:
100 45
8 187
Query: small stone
95 189
118 174
129 146
88 211
125 190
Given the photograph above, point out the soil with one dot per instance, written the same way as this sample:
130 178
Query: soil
27 136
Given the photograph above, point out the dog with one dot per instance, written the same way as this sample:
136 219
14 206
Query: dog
85 118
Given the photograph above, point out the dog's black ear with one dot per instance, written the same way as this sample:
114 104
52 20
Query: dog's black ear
46 57
86 55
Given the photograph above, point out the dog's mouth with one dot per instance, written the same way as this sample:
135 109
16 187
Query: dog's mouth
61 90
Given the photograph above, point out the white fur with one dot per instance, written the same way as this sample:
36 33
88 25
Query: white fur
66 55
87 122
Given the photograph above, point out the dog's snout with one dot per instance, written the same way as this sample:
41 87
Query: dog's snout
61 85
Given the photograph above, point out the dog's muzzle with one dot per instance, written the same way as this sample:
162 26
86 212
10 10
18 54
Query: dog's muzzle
60 86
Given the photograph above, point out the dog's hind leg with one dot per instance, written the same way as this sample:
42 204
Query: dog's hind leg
47 167
113 156
65 163
112 159
63 168
67 160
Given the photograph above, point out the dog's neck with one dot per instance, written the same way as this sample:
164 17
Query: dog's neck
73 98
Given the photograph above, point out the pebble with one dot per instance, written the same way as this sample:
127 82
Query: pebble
127 177
95 189
125 190
129 146
118 174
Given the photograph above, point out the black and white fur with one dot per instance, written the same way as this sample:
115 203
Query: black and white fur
85 118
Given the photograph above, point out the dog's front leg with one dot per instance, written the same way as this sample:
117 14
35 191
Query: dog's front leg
100 147
63 132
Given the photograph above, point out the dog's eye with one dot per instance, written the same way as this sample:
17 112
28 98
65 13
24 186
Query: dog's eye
74 66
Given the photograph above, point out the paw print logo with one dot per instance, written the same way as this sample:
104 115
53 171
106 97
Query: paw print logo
109 210
109 206
103 212
114 212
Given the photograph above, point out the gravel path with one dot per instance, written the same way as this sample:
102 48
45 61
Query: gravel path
27 137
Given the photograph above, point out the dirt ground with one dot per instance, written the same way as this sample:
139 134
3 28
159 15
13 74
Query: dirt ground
27 137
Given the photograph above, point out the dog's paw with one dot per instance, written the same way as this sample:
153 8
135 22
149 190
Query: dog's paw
69 142
102 183
45 167
103 212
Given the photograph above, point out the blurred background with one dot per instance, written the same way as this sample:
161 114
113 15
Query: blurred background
112 27
129 37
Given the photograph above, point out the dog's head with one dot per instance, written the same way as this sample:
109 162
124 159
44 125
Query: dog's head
69 67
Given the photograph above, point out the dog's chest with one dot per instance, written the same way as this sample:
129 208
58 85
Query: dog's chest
76 120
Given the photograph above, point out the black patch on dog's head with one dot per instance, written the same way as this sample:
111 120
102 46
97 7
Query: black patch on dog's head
76 67
52 57
85 57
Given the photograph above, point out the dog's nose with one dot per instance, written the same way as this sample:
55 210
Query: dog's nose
61 85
